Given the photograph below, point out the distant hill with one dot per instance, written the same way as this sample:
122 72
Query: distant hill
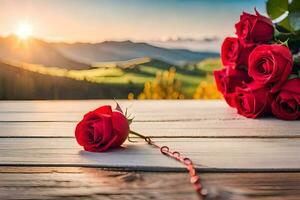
136 66
20 80
118 51
35 51
83 55
36 69
210 44
136 63
123 64
16 82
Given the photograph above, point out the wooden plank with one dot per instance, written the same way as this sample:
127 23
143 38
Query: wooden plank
75 183
72 111
232 128
87 105
92 183
167 116
215 154
220 128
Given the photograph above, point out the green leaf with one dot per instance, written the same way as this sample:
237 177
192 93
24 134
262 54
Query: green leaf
280 29
276 8
294 6
130 121
294 20
285 24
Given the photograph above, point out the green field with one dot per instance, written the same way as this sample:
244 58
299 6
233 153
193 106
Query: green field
121 77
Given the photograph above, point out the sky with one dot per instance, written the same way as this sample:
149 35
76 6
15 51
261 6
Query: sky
137 20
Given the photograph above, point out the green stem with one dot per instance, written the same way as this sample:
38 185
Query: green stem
137 134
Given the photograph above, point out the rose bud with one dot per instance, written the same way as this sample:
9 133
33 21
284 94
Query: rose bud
102 129
287 103
253 100
227 80
254 28
234 53
270 64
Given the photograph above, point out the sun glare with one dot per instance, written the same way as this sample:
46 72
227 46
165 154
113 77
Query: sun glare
24 30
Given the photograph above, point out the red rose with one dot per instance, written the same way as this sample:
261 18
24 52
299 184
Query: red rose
227 80
270 64
234 53
287 103
254 28
253 100
102 129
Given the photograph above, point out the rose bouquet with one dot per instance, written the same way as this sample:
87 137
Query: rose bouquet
261 69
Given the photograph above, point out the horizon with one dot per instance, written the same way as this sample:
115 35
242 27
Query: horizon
210 45
135 20
179 39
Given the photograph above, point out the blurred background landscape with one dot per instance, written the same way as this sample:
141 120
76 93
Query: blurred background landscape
135 49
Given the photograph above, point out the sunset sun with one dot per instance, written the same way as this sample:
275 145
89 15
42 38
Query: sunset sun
24 30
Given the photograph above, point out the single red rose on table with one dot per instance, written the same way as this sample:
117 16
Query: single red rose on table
102 129
227 79
234 53
287 103
253 100
270 65
254 28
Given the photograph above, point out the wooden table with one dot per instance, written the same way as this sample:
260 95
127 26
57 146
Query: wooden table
237 157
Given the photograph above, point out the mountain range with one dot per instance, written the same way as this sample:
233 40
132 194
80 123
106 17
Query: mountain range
83 55
208 44
36 52
117 51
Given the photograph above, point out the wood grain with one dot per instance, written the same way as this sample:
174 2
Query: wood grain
155 119
72 111
40 159
214 154
92 183
73 106
210 128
